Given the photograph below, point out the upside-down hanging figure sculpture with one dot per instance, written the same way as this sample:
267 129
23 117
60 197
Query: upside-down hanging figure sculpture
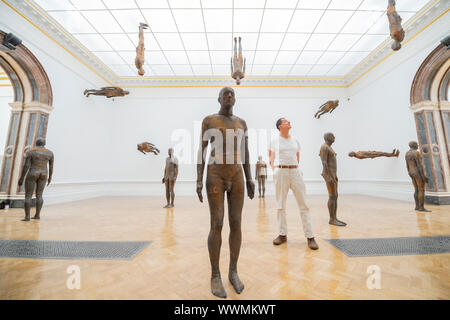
147 147
140 50
238 63
395 26
328 106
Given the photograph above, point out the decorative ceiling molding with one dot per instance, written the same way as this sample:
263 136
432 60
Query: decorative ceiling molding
434 10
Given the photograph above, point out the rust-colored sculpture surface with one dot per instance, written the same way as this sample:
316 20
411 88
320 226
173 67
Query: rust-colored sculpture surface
238 63
140 50
261 176
328 106
170 177
414 164
35 173
109 92
146 147
227 135
373 154
395 26
329 174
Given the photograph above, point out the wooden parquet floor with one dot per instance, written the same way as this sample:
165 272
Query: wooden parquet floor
176 264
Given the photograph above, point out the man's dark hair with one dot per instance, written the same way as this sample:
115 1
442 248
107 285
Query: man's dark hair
278 124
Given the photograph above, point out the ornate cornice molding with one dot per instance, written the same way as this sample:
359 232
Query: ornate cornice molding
431 12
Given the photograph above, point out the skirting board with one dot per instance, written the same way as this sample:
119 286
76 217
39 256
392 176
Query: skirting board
66 192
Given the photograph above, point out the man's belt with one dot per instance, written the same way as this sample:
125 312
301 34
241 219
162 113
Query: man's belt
288 167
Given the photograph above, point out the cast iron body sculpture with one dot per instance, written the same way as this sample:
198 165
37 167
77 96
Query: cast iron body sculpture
147 147
414 164
261 176
140 50
35 169
224 175
109 92
170 177
329 174
373 154
238 63
328 106
395 26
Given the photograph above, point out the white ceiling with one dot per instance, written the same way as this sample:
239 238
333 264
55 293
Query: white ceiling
194 37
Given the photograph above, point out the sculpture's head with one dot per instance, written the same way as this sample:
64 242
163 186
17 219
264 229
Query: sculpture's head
413 145
396 46
226 97
329 137
259 158
283 124
40 142
141 71
125 92
352 154
238 80
170 151
336 102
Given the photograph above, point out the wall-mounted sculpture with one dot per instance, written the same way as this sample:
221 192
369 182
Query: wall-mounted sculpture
414 164
373 154
395 26
261 176
238 63
170 177
140 50
35 173
329 174
224 175
146 147
109 92
328 106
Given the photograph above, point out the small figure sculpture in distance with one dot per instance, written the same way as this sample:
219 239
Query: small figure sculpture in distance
147 147
109 92
140 50
395 26
373 154
170 177
414 164
328 106
238 63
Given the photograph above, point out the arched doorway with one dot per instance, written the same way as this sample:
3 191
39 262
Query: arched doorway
429 101
29 115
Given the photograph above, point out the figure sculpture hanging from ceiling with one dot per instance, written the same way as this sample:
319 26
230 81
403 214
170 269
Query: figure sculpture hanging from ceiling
238 63
328 106
146 147
373 154
395 26
109 92
140 50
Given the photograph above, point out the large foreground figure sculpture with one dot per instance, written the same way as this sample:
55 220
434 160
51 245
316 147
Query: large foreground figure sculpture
170 177
227 135
36 173
238 63
373 154
329 174
414 164
140 50
395 26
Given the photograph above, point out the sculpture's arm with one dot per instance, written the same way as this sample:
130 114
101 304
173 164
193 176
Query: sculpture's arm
26 167
256 171
248 175
419 164
50 168
165 171
243 71
324 158
231 65
176 171
201 160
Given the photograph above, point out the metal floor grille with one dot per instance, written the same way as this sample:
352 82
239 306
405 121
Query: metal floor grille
392 246
53 249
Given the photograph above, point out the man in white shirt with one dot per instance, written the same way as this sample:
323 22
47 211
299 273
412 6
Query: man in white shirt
284 155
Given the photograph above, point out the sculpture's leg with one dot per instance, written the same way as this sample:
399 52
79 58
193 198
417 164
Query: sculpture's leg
30 185
332 204
215 192
259 186
167 182
40 185
421 196
172 193
263 180
235 199
416 194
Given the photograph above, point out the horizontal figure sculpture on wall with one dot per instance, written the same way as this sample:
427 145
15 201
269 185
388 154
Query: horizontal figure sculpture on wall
228 137
238 63
373 154
261 176
109 92
327 107
395 26
146 147
414 164
170 177
35 173
140 50
329 174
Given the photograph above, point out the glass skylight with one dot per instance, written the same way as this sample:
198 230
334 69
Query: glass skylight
195 37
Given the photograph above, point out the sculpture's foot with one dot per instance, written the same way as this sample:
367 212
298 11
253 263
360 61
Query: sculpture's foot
217 287
171 205
236 282
167 206
416 208
36 217
338 223
26 219
423 210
